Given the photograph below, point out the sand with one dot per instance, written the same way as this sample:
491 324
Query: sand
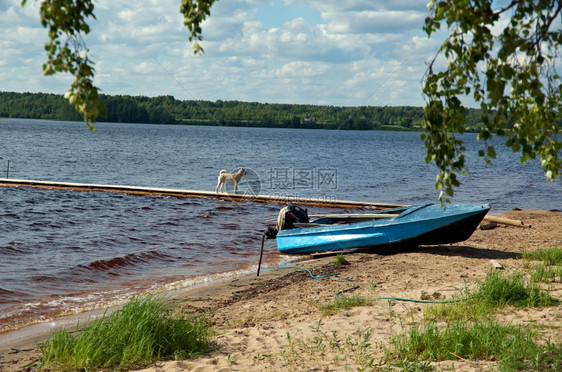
273 322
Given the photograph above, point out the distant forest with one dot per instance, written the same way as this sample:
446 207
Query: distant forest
168 110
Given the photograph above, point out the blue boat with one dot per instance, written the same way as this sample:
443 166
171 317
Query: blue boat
405 226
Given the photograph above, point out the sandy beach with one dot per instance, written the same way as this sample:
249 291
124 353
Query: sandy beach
273 322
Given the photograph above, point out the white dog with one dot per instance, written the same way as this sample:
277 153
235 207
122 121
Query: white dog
230 177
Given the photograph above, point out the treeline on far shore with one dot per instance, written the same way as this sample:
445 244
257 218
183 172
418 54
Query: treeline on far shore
168 110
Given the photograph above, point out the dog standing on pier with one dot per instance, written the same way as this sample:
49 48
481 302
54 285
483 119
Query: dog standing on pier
230 177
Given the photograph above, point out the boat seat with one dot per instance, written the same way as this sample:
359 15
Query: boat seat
310 224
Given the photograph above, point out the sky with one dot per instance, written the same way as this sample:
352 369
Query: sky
320 52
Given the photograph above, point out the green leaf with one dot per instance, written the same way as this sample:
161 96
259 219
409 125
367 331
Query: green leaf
522 58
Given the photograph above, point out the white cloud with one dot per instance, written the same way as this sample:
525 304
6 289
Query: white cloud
318 52
375 21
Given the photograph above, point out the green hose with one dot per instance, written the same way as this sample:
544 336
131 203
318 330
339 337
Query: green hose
356 286
303 269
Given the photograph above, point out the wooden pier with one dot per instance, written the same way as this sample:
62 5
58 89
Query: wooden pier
179 193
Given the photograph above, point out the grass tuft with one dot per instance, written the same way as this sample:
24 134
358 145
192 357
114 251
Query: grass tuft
496 291
549 269
513 346
144 330
340 260
550 256
501 290
546 274
338 305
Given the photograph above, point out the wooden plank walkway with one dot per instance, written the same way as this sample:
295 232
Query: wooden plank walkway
137 190
179 193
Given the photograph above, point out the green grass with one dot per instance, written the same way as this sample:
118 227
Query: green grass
500 290
550 256
464 310
352 352
340 260
512 346
546 274
144 330
339 305
496 291
549 269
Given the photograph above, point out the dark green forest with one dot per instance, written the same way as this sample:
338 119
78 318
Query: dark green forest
168 110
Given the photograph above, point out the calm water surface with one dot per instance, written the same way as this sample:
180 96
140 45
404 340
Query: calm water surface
65 251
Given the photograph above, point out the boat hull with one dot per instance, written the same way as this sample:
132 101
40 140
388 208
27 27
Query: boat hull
417 225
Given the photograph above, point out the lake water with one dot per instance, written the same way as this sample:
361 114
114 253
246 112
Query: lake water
64 251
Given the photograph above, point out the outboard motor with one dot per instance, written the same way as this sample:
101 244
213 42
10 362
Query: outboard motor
290 215
287 218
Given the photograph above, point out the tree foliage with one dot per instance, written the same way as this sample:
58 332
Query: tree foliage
504 59
66 52
194 13
168 110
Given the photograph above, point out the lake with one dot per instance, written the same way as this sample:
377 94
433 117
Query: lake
64 251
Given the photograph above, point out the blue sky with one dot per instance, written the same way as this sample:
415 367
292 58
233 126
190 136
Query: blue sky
341 53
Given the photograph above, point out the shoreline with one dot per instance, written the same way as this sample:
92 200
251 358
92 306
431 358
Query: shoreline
38 331
70 318
19 347
48 310
253 315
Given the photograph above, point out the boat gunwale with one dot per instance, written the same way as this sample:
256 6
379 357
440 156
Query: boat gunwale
375 223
